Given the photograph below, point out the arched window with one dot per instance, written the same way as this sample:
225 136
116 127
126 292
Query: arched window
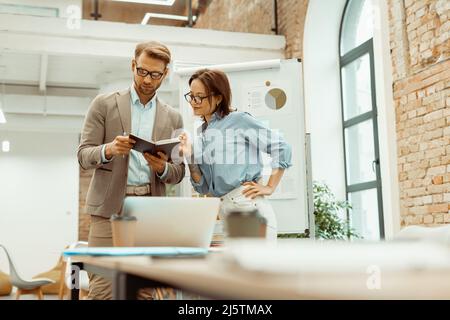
359 115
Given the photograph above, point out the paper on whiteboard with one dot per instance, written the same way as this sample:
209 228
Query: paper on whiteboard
255 101
258 98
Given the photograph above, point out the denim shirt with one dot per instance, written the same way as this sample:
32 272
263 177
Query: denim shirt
228 152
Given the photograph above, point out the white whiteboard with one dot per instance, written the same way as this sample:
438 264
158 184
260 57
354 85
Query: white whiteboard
251 84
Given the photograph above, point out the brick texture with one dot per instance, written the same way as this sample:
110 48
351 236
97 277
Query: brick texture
257 16
419 32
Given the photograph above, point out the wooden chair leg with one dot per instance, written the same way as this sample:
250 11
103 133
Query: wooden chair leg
83 294
39 293
62 284
18 293
159 294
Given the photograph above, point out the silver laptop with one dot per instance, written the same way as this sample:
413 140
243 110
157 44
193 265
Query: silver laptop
173 221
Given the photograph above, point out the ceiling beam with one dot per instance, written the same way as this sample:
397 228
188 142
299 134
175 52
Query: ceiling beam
40 123
61 91
111 39
46 105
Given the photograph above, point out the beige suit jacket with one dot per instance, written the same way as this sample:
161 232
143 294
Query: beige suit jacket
109 115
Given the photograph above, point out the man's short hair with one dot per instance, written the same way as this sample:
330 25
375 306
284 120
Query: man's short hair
153 49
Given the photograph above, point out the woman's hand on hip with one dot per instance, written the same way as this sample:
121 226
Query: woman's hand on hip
254 190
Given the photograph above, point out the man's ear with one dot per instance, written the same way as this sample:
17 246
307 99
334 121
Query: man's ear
133 65
166 72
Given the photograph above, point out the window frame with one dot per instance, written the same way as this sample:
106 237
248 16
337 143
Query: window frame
344 60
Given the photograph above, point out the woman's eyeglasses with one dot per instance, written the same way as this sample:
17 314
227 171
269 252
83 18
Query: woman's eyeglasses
196 99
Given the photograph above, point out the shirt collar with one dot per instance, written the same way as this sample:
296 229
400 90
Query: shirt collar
135 98
215 116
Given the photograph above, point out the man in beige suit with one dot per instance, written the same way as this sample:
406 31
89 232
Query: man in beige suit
106 147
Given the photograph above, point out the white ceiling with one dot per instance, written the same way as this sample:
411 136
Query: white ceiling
49 70
69 83
66 71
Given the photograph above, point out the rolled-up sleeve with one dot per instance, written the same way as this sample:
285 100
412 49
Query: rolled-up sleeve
268 141
201 186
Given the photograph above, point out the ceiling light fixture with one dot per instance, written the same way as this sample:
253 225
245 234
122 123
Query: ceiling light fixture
5 146
149 15
155 2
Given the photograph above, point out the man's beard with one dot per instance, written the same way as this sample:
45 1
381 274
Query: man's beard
148 91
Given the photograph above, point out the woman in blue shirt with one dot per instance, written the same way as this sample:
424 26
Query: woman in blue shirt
225 157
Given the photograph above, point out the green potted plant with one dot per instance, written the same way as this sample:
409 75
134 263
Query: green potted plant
326 215
328 224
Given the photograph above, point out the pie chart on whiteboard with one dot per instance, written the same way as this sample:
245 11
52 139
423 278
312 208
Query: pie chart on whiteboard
275 99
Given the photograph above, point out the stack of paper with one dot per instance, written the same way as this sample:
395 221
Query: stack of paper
218 234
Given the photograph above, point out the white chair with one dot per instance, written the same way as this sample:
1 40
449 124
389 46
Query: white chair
25 286
439 234
66 283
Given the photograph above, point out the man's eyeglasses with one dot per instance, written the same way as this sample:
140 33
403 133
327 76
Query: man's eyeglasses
155 75
197 99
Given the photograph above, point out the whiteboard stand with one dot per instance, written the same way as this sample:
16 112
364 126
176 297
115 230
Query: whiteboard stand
309 185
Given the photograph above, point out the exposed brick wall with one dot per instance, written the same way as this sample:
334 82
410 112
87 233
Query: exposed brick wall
421 72
251 16
291 23
257 16
129 12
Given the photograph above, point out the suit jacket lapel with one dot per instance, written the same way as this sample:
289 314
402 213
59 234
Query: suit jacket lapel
160 120
124 106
